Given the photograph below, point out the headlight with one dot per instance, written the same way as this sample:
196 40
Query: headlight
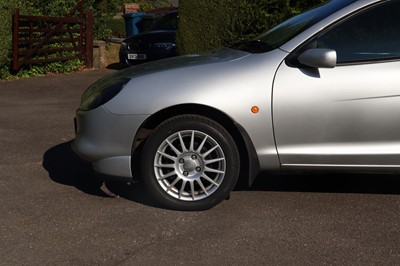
123 46
101 92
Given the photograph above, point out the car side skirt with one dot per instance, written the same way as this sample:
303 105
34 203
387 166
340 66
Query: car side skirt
344 167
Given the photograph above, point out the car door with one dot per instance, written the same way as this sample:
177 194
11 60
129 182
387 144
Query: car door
348 116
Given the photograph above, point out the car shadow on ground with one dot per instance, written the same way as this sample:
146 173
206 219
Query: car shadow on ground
327 183
65 167
115 66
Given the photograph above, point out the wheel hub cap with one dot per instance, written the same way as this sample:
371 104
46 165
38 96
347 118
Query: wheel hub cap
190 165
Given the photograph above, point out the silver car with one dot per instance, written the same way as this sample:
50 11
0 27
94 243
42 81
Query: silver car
320 91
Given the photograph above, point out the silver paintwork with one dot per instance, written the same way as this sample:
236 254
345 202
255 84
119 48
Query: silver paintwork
318 58
102 138
191 84
345 118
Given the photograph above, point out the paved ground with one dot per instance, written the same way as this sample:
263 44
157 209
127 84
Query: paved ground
54 211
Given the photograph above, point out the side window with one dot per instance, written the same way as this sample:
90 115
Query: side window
369 36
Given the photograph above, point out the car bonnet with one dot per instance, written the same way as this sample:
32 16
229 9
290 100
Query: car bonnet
217 56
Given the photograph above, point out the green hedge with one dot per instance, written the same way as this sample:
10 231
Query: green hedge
207 24
6 11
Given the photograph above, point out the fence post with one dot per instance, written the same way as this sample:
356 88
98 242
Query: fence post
89 40
15 39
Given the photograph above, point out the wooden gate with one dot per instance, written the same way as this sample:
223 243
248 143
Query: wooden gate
42 40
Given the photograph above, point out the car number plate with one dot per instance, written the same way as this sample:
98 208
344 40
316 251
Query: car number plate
137 56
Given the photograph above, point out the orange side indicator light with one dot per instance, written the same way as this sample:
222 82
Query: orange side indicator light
255 109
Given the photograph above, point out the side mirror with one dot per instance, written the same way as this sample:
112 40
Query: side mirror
318 58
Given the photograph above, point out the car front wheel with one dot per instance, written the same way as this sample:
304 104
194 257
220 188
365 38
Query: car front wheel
190 162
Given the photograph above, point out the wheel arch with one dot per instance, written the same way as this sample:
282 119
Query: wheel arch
250 165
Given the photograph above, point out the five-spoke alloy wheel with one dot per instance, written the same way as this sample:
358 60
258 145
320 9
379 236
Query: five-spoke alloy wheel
190 163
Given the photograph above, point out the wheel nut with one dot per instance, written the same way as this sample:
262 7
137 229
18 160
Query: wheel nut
181 161
185 173
194 157
198 169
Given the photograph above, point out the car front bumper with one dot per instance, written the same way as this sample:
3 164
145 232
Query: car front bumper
106 140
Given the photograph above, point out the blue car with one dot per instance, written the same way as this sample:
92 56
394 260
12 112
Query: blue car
157 43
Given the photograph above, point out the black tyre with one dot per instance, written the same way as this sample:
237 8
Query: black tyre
190 163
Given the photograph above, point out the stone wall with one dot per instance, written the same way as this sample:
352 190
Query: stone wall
105 54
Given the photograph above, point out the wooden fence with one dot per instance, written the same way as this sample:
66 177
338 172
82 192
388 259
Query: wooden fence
42 40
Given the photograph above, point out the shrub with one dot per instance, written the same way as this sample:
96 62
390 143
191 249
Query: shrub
6 11
117 27
146 5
